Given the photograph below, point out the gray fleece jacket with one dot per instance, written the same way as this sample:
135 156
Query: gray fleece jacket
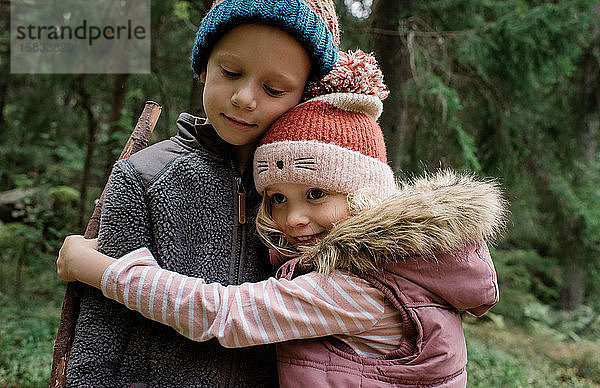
180 198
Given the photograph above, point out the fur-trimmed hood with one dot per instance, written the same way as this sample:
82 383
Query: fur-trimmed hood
438 213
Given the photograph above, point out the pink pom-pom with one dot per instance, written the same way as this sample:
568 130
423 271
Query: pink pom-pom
354 72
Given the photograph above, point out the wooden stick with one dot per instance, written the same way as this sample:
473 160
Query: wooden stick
70 309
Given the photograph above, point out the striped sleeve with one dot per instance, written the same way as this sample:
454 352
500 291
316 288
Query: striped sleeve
270 311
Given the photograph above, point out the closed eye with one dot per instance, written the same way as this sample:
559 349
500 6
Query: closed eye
229 74
273 92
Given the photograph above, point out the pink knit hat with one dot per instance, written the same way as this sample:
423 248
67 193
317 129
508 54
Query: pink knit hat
331 141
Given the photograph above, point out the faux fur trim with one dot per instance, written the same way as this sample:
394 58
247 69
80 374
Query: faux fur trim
437 213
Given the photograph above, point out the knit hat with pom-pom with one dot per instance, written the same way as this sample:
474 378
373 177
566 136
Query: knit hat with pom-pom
313 23
331 141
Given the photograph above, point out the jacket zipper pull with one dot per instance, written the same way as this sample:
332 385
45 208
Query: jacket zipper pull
241 202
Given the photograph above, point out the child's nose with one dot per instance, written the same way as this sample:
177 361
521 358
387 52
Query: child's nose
244 97
297 217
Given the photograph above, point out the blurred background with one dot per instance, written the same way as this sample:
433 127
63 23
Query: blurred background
502 89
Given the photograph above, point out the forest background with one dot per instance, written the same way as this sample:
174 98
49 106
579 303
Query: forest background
503 89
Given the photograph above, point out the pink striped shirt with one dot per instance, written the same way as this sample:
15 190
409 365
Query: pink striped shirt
270 311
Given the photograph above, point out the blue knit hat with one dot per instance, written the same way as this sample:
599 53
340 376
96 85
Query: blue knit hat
295 17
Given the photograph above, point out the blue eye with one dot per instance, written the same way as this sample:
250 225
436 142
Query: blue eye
315 194
277 198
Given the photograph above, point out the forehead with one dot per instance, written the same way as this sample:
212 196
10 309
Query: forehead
264 47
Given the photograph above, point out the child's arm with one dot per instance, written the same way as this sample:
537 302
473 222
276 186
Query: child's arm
249 314
79 260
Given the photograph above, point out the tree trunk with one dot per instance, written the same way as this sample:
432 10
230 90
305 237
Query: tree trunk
116 106
86 104
393 59
572 292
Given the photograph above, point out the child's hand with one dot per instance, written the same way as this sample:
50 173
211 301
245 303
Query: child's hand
73 252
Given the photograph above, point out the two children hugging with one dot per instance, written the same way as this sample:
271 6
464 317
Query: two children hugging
190 199
370 275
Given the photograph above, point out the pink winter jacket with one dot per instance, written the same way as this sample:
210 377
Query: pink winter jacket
444 213
432 352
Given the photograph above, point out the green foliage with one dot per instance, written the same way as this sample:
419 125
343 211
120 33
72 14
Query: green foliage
525 46
17 241
513 357
181 10
448 140
30 291
489 366
586 365
527 273
510 89
64 194
28 325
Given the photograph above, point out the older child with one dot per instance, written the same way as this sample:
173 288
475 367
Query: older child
398 264
191 200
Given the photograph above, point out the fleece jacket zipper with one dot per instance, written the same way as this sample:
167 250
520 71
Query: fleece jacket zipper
238 248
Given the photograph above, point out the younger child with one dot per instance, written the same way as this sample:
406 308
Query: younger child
191 200
370 277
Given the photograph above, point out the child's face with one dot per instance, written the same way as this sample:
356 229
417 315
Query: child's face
254 74
305 214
